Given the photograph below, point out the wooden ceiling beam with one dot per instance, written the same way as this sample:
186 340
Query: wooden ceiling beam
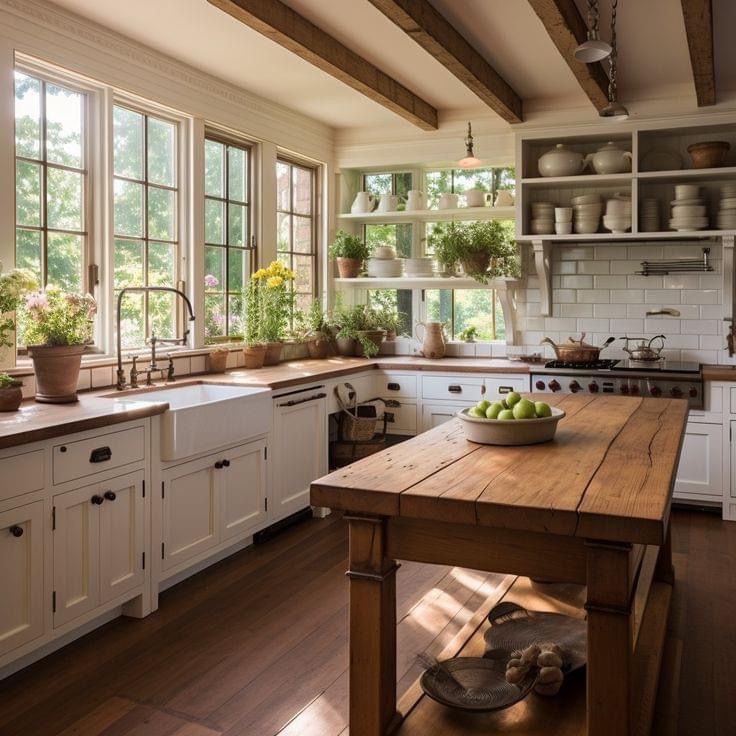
431 30
698 15
292 31
567 29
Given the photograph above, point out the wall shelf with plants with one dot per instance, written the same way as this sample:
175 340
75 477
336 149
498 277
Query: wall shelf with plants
434 215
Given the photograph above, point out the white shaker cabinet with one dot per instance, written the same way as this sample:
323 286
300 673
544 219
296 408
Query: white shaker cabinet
299 449
435 414
700 472
243 495
21 575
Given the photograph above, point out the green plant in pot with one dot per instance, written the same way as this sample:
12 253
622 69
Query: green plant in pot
317 333
349 251
469 334
387 314
447 241
13 286
58 327
362 325
255 348
276 305
11 394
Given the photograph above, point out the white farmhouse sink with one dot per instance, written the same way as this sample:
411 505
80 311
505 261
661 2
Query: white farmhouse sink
203 416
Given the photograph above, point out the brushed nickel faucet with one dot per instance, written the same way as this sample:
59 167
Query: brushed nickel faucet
153 367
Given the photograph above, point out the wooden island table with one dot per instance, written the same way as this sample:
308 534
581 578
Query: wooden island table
590 508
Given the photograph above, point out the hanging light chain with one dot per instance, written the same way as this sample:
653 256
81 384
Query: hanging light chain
612 86
592 20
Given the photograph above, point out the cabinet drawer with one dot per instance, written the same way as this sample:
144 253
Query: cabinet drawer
467 387
21 473
72 460
396 385
405 419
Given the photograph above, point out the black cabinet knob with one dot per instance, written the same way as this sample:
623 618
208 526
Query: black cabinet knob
110 495
16 531
226 463
97 500
218 465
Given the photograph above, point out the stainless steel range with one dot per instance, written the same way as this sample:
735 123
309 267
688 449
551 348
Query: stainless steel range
658 379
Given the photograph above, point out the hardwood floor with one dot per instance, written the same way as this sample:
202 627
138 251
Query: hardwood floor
256 645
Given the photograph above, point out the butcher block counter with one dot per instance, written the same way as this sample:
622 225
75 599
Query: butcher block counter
591 508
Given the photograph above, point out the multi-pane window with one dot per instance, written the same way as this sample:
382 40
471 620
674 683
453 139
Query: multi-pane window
460 180
146 229
296 234
463 308
50 182
227 237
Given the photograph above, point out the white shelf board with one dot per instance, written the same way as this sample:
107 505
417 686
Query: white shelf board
722 172
579 180
459 213
619 237
430 282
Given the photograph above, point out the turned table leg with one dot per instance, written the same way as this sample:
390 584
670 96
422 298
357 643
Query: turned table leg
372 675
610 639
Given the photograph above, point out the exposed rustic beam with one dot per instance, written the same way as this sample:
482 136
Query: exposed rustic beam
294 32
698 15
422 22
567 29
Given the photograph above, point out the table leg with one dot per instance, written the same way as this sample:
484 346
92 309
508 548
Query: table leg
372 629
610 639
664 571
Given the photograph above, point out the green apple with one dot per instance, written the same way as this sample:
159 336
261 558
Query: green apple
524 409
512 398
483 405
542 410
476 412
494 410
506 415
504 403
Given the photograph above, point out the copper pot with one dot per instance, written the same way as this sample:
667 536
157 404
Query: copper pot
577 351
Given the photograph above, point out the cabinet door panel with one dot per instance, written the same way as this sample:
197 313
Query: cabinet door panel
701 469
189 511
21 576
76 554
243 494
121 536
300 454
435 414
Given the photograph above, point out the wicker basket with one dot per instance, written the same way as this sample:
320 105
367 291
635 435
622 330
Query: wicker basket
353 426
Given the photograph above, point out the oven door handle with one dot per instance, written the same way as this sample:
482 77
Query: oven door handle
296 402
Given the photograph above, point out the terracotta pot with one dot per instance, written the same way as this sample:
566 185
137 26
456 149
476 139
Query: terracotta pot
476 263
254 356
708 155
375 336
294 351
273 353
348 268
390 334
10 398
57 372
319 347
345 346
217 361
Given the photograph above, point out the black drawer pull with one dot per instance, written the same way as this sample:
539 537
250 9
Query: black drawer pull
505 389
218 465
97 500
16 531
226 463
100 455
455 389
393 387
110 495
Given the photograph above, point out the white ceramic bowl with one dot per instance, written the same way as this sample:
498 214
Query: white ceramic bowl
617 224
542 227
618 208
516 432
728 203
582 209
587 227
688 210
384 252
586 199
563 214
687 202
687 191
563 228
383 268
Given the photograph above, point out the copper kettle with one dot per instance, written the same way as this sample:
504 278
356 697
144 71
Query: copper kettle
577 351
643 350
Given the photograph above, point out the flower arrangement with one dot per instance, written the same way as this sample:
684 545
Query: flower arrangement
13 285
269 304
54 318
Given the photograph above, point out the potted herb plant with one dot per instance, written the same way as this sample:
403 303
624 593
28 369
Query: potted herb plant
349 251
254 351
13 285
387 313
276 299
10 393
360 329
446 241
469 334
57 329
318 338
490 251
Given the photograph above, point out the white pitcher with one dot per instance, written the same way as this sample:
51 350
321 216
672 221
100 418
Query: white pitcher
363 202
475 198
388 203
448 201
415 200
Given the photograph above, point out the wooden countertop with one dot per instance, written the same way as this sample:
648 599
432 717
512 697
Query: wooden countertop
607 475
36 422
719 372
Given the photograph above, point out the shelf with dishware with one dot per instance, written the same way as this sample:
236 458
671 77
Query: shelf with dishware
424 282
433 215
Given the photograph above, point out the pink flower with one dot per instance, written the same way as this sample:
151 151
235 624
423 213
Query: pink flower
37 302
211 281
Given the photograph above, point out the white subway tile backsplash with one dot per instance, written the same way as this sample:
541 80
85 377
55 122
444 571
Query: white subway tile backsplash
681 250
701 296
594 296
700 356
625 267
637 311
703 327
101 377
688 311
577 282
566 267
575 253
633 326
611 252
594 267
681 281
711 281
199 363
662 296
558 324
712 342
609 310
565 296
664 326
590 326
711 311
644 282
483 350
690 342
576 310
627 296
609 282
644 252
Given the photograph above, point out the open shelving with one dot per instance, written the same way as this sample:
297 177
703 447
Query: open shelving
433 215
429 282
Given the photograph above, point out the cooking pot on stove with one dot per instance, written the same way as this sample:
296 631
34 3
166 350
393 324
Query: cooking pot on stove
643 350
577 351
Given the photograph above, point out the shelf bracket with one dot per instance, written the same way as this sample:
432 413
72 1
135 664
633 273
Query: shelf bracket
729 283
543 266
506 293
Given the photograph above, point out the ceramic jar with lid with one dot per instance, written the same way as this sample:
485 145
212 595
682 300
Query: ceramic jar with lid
610 159
561 161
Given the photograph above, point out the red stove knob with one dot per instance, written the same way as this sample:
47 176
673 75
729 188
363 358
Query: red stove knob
693 392
634 389
655 391
624 388
593 387
539 385
554 385
676 392
574 386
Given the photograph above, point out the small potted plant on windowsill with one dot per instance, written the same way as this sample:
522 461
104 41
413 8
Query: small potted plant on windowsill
364 327
11 394
57 329
13 285
276 299
469 334
318 338
349 251
254 352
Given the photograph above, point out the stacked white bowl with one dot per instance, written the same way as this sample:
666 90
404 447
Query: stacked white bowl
418 267
384 264
563 220
543 218
649 215
727 211
588 209
618 214
688 209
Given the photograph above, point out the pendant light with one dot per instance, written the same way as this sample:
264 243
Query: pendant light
470 161
614 110
594 49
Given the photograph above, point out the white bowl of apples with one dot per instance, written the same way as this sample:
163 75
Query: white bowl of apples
510 420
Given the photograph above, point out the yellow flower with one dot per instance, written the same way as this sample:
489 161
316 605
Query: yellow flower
275 281
259 274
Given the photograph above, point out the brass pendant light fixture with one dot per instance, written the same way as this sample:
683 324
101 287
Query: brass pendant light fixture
594 49
469 161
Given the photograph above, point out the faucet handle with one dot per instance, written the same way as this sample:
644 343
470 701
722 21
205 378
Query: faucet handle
134 372
170 370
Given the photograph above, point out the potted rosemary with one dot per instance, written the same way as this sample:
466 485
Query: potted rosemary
318 337
349 251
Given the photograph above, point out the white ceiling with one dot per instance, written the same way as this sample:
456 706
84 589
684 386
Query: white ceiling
654 62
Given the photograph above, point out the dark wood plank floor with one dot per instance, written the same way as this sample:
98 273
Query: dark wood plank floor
256 645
